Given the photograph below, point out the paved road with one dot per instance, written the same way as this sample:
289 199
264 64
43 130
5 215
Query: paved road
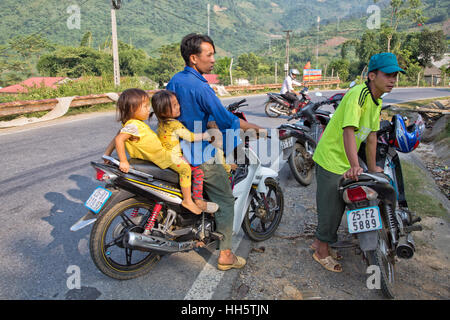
46 178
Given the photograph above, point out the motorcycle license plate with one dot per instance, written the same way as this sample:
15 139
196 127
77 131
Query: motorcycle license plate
364 219
97 199
287 143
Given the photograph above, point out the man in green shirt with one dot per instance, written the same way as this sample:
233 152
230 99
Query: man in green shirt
356 119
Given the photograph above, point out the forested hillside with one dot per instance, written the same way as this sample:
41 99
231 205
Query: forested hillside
237 26
73 37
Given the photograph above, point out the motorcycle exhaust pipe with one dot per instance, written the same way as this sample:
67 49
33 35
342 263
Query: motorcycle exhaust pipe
276 111
406 247
140 240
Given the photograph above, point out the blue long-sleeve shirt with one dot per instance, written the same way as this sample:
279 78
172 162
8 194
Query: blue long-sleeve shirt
198 103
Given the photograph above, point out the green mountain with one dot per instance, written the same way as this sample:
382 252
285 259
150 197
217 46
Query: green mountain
236 26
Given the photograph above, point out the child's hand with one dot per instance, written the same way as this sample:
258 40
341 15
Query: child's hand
124 166
206 136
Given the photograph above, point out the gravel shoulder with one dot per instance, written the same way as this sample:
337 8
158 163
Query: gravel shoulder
282 268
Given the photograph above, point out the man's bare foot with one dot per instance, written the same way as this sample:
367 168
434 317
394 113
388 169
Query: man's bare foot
191 206
227 260
226 257
333 253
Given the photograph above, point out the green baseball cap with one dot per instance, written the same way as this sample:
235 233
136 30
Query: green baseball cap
385 62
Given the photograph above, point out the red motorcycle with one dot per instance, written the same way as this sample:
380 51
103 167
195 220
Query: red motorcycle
277 104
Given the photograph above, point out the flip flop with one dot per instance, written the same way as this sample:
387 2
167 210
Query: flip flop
240 263
328 263
333 253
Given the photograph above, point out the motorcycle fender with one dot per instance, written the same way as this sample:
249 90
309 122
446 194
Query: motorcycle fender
287 153
116 197
368 241
264 173
88 219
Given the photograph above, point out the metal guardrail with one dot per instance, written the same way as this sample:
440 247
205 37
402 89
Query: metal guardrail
29 106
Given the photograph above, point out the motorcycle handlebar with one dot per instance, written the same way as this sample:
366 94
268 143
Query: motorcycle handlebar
236 105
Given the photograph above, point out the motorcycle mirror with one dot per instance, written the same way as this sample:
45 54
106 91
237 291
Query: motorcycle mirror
352 84
384 95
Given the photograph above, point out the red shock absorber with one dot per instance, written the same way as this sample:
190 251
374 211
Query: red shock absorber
152 219
135 212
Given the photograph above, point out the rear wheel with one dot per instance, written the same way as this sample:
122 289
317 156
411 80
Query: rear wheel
264 213
108 242
385 260
301 165
269 113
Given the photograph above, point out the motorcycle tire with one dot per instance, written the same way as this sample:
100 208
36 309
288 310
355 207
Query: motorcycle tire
269 113
260 224
108 237
298 165
386 264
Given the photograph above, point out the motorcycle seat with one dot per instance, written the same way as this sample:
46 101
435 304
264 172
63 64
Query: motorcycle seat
162 174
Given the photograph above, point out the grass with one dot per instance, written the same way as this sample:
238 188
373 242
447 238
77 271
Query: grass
420 103
418 188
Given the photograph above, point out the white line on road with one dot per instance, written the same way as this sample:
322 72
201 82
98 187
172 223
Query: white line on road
206 283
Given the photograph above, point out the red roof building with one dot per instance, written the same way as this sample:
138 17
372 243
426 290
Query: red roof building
50 82
212 78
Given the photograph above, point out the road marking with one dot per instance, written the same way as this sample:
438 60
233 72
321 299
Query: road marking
209 278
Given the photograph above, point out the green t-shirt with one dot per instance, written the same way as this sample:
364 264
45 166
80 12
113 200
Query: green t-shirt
357 109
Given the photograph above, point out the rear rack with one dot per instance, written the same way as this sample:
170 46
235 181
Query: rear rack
132 171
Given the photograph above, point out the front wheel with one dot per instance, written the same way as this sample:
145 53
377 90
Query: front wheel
301 165
271 104
386 262
264 213
108 242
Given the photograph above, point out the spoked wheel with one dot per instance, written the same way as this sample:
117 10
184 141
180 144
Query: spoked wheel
385 260
264 213
108 242
300 165
270 113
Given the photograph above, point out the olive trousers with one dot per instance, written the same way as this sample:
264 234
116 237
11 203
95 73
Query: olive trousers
216 185
330 205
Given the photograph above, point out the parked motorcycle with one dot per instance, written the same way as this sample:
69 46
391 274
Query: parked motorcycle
278 105
304 136
377 212
137 216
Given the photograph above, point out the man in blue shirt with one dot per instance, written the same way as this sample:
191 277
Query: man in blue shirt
198 104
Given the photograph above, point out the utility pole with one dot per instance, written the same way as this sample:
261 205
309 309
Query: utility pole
276 72
231 74
286 65
209 9
317 44
115 6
